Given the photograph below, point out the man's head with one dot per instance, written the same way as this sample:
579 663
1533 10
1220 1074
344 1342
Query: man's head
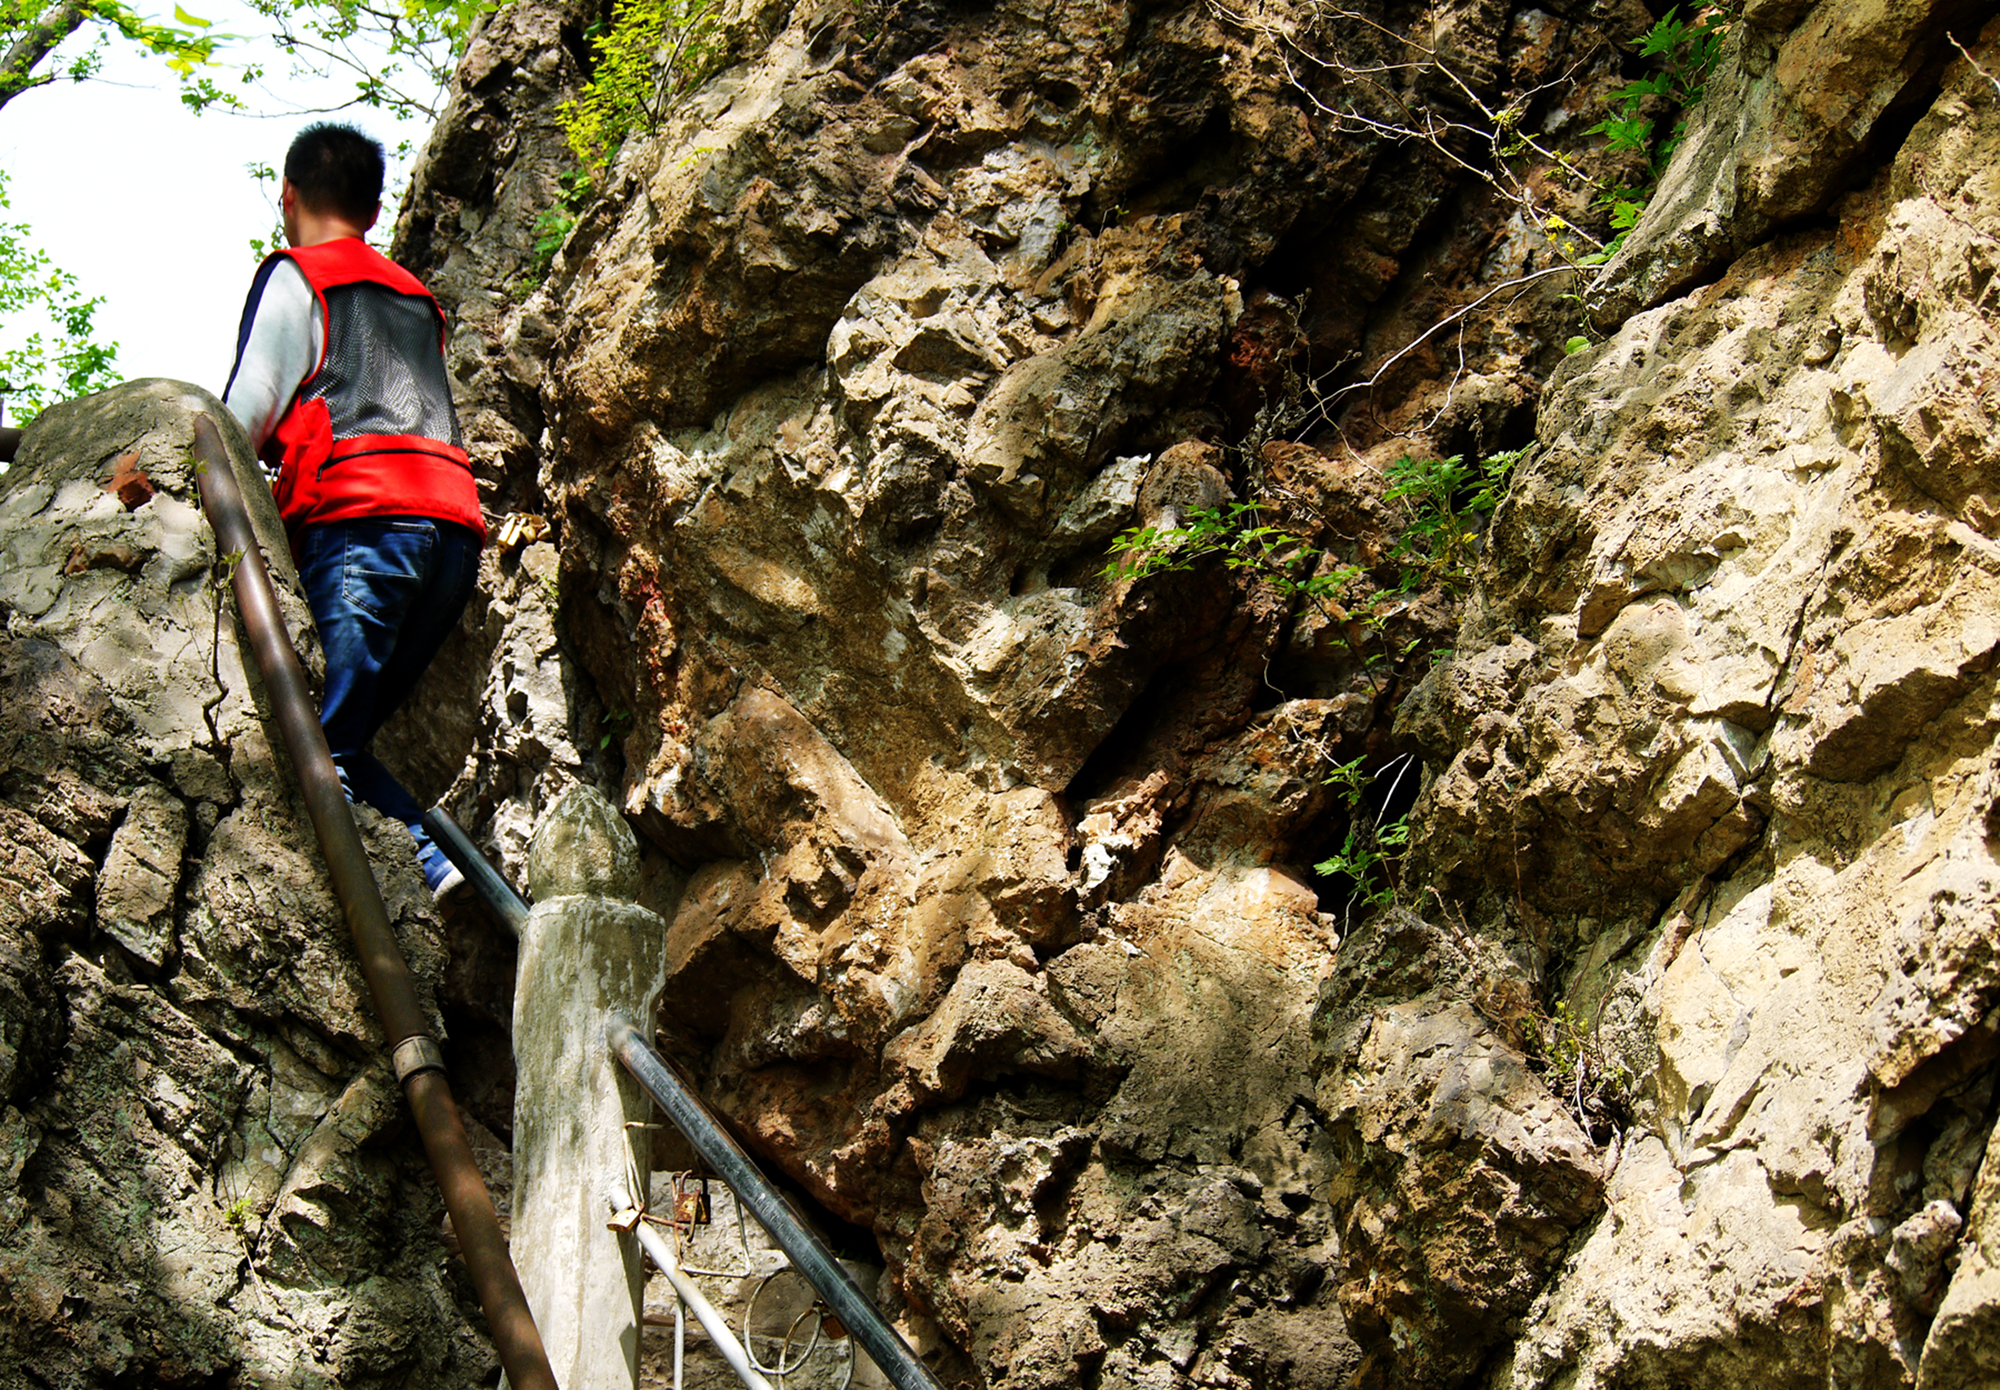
333 181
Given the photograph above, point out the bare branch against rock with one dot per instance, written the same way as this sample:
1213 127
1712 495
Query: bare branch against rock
1977 66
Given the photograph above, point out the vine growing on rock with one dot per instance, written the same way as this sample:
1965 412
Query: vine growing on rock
221 575
1581 1072
1446 501
1686 51
1501 142
1495 143
552 228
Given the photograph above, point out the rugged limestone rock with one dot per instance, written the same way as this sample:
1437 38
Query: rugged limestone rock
1454 1176
468 227
204 1175
986 873
861 364
1716 751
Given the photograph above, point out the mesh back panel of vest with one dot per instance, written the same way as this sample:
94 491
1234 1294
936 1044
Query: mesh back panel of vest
383 372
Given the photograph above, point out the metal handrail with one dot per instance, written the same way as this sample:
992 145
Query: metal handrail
419 1063
705 1132
806 1250
493 890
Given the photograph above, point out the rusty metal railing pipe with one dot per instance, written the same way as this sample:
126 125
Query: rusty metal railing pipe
806 1250
419 1063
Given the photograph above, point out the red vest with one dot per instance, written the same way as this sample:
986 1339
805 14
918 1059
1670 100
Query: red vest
371 430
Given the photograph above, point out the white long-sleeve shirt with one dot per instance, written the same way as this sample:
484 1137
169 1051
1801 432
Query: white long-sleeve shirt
282 345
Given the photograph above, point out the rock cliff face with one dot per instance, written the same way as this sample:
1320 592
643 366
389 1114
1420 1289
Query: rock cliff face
1668 1055
1717 750
987 874
1672 1062
205 1174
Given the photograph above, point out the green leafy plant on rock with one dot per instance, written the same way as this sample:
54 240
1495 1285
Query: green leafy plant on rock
552 229
1236 537
1567 1051
650 53
1685 52
221 575
1372 848
1449 501
616 724
1446 502
1596 1086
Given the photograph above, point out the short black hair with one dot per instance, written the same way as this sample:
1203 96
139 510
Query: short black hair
337 169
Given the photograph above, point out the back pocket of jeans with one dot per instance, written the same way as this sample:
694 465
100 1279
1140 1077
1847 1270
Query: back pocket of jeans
384 564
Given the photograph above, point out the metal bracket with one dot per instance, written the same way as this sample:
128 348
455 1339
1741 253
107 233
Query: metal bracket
417 1054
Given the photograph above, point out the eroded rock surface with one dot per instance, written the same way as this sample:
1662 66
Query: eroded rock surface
986 874
205 1176
1717 752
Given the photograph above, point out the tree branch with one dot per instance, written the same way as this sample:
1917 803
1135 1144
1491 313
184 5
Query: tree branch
51 27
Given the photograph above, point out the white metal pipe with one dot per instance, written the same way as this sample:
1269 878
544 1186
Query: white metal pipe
711 1320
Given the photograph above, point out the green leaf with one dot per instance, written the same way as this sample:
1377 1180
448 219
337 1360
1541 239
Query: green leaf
1658 85
1623 134
184 17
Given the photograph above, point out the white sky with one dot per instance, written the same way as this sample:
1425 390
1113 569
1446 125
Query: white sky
151 206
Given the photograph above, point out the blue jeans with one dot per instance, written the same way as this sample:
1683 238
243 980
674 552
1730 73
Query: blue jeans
385 593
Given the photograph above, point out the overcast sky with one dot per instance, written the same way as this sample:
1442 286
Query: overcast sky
150 205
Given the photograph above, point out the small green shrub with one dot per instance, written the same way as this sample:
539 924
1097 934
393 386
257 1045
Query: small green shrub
1685 51
1449 501
1597 1088
616 724
552 229
1446 501
650 53
1373 846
